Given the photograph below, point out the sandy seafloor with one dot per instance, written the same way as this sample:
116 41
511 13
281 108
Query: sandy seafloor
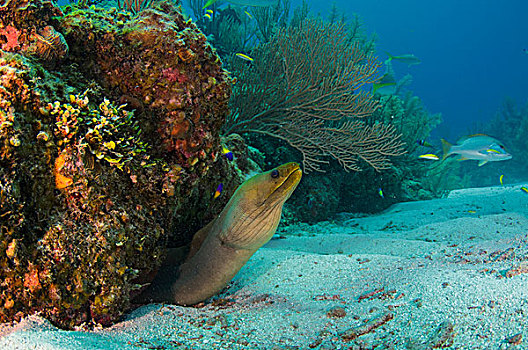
446 273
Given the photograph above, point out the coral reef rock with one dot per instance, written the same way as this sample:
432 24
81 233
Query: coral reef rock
161 62
109 137
25 28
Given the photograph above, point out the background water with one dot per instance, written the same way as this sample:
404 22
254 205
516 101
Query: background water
473 59
471 51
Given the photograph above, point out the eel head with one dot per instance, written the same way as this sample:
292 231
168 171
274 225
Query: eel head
253 212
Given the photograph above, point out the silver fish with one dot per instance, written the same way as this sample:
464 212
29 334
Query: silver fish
409 59
479 147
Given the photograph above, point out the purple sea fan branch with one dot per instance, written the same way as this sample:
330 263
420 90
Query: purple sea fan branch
305 87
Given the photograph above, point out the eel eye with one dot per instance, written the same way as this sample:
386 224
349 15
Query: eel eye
275 173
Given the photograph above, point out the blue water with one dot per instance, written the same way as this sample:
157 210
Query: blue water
471 51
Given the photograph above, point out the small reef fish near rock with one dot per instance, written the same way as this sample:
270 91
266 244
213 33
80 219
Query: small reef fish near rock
429 156
255 3
227 153
244 57
424 143
479 147
218 191
209 14
524 189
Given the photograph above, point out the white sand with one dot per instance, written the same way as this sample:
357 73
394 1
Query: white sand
459 262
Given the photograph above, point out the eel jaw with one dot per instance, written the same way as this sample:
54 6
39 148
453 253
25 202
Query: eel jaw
290 176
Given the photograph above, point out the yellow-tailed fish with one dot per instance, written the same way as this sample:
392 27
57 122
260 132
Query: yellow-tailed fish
524 189
227 153
244 57
218 191
429 156
208 16
209 11
384 88
380 192
250 16
500 179
491 150
472 211
387 84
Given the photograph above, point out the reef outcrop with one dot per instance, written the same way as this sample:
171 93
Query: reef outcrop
109 134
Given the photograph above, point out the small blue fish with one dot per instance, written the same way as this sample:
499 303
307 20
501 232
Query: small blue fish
227 153
424 143
380 192
218 191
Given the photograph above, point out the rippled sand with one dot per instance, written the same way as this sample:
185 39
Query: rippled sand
451 272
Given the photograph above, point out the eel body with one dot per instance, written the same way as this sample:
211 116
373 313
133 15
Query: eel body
220 249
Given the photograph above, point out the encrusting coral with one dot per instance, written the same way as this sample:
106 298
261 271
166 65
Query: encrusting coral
25 28
184 98
92 189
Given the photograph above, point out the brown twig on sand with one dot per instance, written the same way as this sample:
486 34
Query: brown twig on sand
370 294
353 333
442 337
517 270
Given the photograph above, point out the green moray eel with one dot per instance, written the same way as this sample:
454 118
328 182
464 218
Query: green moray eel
220 249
